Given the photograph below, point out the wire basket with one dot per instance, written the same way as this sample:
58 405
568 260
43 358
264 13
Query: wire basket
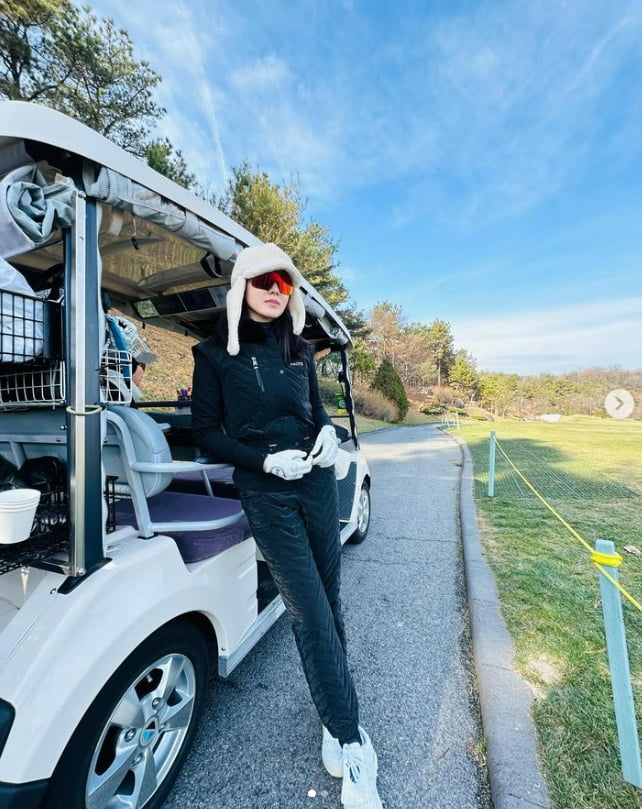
49 534
32 385
116 376
31 368
36 386
30 328
50 531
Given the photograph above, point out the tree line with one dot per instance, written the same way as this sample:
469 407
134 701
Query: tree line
65 57
434 371
580 392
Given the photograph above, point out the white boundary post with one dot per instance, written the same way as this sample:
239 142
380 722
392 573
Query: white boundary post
627 730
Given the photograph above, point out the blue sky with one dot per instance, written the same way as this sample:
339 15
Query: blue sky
480 161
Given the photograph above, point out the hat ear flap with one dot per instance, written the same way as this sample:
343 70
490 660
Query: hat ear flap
297 311
234 300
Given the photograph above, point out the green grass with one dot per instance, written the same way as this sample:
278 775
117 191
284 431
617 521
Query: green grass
590 470
367 425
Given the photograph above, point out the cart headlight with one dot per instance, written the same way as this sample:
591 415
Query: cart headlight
7 715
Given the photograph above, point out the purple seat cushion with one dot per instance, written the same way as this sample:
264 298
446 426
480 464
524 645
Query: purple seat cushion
176 506
220 480
223 475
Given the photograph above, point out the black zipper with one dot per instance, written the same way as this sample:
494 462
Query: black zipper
257 373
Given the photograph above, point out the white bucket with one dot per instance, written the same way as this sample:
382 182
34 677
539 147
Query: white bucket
17 512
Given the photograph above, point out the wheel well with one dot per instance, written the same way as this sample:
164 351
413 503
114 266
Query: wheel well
204 625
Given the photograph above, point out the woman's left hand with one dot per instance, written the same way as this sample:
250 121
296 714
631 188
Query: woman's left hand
324 451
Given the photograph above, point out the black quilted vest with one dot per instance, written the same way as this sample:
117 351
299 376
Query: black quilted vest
261 402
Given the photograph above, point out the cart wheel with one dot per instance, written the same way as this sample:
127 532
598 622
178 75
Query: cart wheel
131 743
363 516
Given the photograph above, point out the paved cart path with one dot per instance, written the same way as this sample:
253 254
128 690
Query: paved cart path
258 746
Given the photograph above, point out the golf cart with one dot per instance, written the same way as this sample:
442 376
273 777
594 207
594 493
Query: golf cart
138 562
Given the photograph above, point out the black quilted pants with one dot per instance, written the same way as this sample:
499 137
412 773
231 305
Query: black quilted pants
298 534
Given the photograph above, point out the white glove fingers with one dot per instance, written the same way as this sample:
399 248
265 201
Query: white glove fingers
290 464
325 447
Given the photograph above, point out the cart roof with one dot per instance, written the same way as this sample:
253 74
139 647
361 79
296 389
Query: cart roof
163 278
20 120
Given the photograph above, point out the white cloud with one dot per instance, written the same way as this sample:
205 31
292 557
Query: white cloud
348 274
556 340
177 45
263 74
475 116
520 92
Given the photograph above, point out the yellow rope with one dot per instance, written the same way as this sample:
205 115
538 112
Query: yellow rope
598 559
622 590
548 506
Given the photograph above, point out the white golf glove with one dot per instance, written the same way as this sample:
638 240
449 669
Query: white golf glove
290 464
324 451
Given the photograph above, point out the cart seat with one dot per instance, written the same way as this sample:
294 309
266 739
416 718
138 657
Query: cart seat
220 481
137 455
193 545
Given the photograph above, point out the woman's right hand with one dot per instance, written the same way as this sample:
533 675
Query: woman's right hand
289 464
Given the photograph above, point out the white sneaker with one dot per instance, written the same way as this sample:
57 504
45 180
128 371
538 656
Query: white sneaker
359 790
332 754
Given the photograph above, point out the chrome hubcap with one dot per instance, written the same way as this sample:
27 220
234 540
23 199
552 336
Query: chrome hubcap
149 733
363 517
143 736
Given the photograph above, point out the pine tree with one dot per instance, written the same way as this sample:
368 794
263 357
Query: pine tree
275 213
388 382
65 57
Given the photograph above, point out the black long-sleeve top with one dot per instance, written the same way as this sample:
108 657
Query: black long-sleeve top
246 406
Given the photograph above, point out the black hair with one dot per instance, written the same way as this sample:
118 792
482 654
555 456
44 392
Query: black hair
291 345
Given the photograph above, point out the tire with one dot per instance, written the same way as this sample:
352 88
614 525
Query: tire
122 753
363 516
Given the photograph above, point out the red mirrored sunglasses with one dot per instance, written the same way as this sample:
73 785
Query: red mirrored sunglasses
280 277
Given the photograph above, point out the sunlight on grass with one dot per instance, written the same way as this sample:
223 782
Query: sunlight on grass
367 425
590 471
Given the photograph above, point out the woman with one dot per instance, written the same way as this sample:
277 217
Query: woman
256 404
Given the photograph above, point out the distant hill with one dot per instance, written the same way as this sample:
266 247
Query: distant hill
174 367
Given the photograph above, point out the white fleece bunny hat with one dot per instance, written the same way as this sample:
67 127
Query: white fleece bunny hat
253 261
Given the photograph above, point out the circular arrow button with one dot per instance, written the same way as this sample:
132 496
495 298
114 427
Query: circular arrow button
619 404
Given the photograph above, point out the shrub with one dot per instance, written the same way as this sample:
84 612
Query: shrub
458 410
388 382
327 390
375 405
432 409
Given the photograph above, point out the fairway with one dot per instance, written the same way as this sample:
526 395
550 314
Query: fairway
590 471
